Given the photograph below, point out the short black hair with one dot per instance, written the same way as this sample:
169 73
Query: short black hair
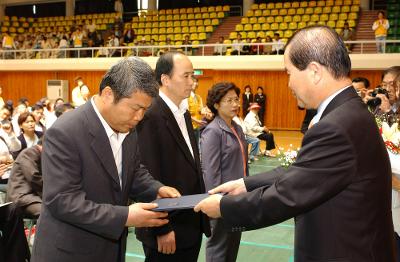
37 106
165 65
361 79
60 109
319 44
217 92
130 75
260 87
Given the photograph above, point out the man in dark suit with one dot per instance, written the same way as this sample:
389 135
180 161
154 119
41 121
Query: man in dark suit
339 188
91 166
170 152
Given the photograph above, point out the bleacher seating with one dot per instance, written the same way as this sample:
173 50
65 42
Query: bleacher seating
287 17
393 14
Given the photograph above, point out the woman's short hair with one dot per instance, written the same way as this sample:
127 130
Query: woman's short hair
22 117
217 92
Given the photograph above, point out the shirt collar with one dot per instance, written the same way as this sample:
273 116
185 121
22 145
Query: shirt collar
183 106
325 103
107 127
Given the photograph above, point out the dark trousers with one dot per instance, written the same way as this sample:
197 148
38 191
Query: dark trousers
187 254
13 244
269 139
398 246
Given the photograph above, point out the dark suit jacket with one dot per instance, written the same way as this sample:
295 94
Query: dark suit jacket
84 209
25 183
339 190
246 102
165 153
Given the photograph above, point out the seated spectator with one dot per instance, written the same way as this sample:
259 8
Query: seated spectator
143 48
187 50
237 45
277 47
29 136
220 49
257 49
38 113
246 48
25 184
254 129
268 48
129 36
347 35
361 85
254 142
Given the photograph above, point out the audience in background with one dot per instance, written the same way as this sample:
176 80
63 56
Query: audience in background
278 45
80 93
361 85
261 99
195 106
380 27
247 99
347 35
220 49
237 45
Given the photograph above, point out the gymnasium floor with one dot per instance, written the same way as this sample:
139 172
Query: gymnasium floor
272 244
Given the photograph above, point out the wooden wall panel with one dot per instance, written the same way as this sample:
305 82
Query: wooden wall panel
281 111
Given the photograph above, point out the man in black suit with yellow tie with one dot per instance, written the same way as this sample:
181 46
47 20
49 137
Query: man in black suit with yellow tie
170 152
339 188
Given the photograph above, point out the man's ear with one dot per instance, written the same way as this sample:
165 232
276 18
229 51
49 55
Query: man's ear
315 72
164 79
107 94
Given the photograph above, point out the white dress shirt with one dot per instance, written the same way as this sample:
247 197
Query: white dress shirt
116 140
179 117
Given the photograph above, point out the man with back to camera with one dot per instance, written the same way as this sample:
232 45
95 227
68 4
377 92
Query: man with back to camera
339 188
169 150
90 172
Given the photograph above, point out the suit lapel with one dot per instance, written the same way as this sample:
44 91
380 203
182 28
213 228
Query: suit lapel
100 143
188 121
175 131
342 97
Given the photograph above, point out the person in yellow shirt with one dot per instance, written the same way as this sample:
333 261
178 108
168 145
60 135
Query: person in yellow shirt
81 93
195 108
380 26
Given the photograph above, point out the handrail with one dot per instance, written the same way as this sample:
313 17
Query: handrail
137 50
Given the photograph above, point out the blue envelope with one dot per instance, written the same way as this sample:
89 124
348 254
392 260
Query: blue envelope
183 202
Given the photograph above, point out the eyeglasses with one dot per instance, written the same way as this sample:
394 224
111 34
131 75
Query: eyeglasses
231 101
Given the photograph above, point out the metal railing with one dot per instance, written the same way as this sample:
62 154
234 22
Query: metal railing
197 49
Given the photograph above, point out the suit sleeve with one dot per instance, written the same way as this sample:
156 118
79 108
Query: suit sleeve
63 193
210 146
325 166
31 169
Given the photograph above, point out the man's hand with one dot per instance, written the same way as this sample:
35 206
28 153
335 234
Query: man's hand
166 243
385 104
210 206
140 215
167 191
234 187
3 169
266 130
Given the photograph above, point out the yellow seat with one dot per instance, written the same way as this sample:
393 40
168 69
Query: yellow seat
249 13
190 16
286 5
177 30
278 19
296 18
213 15
207 22
189 10
192 22
303 4
256 27
300 11
343 16
260 34
318 10
226 8
220 15
282 11
194 36
248 27
198 16
176 17
291 11
355 8
177 37
305 18
254 6
321 3
204 9
352 23
274 26
214 22
336 9
270 6
211 9
331 24
218 8
244 20
312 4
262 6
270 19
168 11
345 9
209 29
356 2
340 24
196 10
293 26
329 3
333 17
201 29
243 34
162 30
338 2
321 23
265 27
287 19
184 23
193 29
185 30
258 12
147 31
199 22
154 31
301 25
253 20
288 34
314 18
162 38
266 12
324 17
169 24
278 5
176 24
251 35
352 16
205 15
232 35
170 30
275 12
327 10
283 26
295 4
261 20
309 11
